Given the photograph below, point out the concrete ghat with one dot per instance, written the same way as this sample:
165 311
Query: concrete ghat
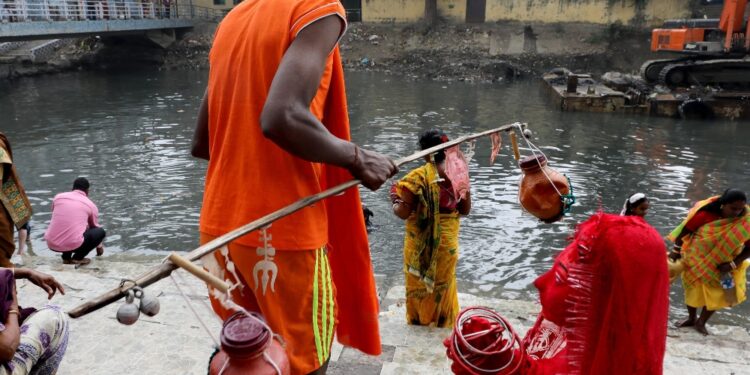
173 342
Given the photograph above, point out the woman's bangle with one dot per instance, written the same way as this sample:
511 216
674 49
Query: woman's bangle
13 311
677 247
733 265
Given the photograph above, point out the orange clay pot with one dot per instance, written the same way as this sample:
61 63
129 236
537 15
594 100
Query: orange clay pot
536 194
244 341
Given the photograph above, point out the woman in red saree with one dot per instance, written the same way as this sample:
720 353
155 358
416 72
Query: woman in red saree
604 303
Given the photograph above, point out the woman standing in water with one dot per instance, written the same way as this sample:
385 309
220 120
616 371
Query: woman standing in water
714 243
636 205
425 198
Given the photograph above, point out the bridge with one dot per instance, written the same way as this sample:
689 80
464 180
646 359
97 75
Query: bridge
49 19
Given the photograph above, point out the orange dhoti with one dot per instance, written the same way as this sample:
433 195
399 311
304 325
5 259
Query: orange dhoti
295 293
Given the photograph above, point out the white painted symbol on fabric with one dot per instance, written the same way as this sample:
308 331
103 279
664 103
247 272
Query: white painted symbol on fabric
266 267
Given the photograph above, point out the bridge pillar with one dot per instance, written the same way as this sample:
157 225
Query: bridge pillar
164 38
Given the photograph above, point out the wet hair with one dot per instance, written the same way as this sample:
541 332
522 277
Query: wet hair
627 208
729 196
81 183
432 138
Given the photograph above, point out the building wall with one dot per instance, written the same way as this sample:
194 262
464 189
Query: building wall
454 10
644 12
595 11
392 10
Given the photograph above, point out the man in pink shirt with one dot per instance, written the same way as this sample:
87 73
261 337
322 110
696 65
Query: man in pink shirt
74 230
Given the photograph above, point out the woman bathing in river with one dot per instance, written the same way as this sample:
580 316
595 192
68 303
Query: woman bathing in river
636 205
713 241
425 199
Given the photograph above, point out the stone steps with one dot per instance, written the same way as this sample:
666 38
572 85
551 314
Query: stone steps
173 342
35 51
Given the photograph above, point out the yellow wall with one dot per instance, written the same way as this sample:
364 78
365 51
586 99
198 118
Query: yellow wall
594 11
660 11
392 10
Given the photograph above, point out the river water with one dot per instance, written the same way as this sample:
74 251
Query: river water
130 132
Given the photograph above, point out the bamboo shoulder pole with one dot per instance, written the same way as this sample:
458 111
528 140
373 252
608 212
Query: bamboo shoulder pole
163 270
198 272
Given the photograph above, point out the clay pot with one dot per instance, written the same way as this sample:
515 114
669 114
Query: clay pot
149 304
536 193
244 341
128 313
675 269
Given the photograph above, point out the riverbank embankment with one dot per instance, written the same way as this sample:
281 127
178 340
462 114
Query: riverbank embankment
173 342
492 52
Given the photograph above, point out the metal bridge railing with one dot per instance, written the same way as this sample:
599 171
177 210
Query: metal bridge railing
205 13
81 10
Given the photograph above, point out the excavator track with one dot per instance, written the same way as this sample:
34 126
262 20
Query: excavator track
650 69
721 72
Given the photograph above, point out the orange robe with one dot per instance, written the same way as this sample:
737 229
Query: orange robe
249 176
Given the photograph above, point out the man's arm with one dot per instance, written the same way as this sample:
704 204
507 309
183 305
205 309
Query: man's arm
200 136
94 217
286 118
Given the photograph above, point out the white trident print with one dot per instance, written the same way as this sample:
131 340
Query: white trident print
266 266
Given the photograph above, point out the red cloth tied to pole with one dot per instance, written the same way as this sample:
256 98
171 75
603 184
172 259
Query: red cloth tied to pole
457 170
497 142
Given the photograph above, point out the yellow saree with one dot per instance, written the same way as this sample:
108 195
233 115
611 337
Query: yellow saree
430 252
717 242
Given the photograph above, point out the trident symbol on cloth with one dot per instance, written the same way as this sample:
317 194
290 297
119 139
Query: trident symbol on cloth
266 267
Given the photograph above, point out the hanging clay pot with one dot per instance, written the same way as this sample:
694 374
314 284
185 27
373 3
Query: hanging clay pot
128 313
149 304
537 193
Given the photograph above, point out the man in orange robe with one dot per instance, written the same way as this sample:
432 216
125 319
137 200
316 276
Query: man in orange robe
274 126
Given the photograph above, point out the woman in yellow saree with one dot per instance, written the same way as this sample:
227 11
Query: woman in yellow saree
427 200
714 243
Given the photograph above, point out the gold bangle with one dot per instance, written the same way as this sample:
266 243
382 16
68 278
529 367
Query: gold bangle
13 311
734 266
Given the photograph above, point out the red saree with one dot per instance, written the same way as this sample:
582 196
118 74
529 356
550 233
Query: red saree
604 302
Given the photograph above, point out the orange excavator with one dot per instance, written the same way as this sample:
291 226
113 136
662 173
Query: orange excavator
717 50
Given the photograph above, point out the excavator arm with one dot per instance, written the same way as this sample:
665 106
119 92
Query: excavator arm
732 20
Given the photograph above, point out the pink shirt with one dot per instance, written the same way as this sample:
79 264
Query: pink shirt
72 213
